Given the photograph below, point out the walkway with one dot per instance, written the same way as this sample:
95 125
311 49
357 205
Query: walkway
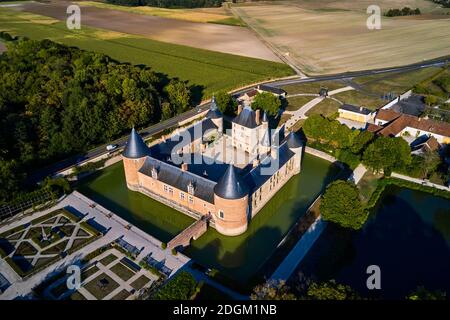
117 228
296 255
301 112
194 231
420 181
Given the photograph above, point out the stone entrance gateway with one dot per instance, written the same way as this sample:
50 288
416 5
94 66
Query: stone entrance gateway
194 231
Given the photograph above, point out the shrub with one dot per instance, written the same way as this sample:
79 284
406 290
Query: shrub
179 287
163 245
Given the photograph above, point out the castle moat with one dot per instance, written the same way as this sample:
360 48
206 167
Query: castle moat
237 257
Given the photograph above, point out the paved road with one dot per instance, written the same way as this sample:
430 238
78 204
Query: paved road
149 131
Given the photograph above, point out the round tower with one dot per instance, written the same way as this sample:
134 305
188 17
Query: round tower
295 144
231 202
215 115
134 155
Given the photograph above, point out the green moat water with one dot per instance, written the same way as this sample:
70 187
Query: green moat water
238 257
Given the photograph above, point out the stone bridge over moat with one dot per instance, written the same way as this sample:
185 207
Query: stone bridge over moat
194 231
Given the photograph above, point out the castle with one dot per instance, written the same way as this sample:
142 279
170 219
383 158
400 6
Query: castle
204 172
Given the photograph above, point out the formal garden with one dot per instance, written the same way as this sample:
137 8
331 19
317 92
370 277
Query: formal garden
31 247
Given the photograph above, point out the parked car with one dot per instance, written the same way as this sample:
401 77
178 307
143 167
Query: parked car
111 147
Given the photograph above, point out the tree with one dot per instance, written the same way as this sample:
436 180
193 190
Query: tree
180 287
225 102
272 290
331 291
179 95
421 293
267 102
361 141
9 180
431 100
430 162
341 204
386 154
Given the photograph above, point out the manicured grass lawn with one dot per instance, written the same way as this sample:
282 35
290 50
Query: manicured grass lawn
77 296
89 272
211 71
367 185
122 271
108 259
140 282
296 103
360 99
122 295
313 87
326 108
99 291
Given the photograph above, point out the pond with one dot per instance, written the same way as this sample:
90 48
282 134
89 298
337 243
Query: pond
238 257
407 236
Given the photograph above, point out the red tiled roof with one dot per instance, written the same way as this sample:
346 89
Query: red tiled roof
373 127
387 115
401 121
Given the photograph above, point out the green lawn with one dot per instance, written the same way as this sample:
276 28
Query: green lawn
326 108
140 282
122 271
100 291
360 99
295 103
108 259
313 87
395 82
210 70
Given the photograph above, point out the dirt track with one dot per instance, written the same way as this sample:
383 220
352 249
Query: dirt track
222 38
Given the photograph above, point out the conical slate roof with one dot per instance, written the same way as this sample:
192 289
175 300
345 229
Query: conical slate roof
231 185
136 147
213 112
294 141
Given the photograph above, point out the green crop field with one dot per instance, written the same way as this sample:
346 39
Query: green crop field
212 71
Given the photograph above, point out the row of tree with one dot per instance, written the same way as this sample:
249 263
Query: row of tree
352 146
169 3
326 290
406 11
56 101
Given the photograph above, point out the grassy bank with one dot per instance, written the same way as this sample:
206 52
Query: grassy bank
209 71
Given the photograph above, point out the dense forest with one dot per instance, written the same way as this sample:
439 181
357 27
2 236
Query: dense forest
56 101
169 3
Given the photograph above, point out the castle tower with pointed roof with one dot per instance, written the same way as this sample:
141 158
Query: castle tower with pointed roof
231 200
134 155
215 115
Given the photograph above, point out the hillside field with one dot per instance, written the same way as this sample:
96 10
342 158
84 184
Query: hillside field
331 36
212 71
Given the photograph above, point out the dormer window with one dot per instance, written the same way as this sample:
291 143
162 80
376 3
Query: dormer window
191 188
154 173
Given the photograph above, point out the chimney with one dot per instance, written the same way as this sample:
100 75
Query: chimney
239 110
184 166
163 138
258 116
255 162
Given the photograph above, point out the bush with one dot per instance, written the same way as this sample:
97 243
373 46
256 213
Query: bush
163 245
174 251
179 287
341 204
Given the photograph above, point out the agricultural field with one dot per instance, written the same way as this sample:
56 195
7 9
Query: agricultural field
215 37
220 15
331 36
210 71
